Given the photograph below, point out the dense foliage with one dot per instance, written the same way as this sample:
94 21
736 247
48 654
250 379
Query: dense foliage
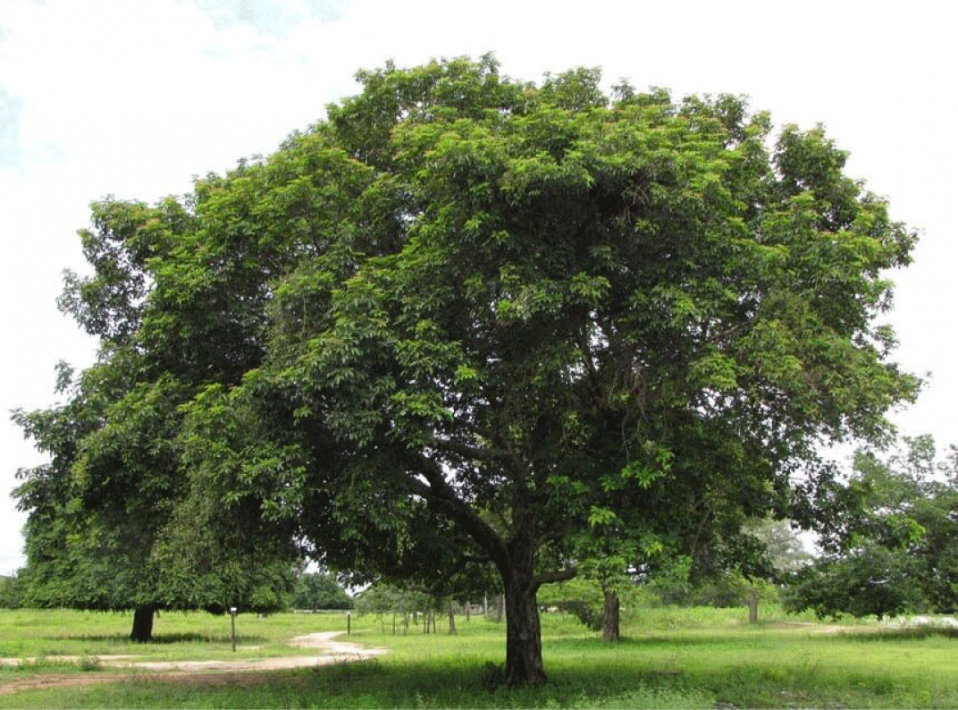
103 529
898 555
467 320
319 590
9 592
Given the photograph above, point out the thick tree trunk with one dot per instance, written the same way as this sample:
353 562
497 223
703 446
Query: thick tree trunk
452 620
610 618
515 559
142 624
523 635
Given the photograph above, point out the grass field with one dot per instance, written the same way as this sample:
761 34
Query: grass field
689 658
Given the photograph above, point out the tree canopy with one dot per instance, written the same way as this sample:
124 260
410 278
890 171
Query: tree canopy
103 526
319 590
467 319
897 554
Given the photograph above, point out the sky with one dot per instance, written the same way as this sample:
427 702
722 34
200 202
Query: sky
135 99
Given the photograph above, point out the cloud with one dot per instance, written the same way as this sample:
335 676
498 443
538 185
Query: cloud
274 18
133 98
10 109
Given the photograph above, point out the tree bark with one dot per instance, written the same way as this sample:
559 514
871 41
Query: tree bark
515 560
523 634
752 606
452 620
142 624
610 618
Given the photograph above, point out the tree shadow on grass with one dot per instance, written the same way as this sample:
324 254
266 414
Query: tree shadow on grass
639 642
453 684
906 633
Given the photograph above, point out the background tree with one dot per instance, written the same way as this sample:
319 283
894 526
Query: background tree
319 590
771 553
898 554
10 588
437 329
103 511
383 598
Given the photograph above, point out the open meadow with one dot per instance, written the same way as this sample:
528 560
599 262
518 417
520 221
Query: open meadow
694 658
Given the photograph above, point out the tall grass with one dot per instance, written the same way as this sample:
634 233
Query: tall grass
670 658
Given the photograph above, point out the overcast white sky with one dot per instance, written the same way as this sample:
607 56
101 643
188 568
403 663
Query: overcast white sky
133 99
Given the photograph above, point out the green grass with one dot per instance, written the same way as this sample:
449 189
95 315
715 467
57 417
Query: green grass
693 658
177 635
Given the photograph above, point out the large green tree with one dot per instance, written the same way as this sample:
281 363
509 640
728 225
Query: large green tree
467 320
543 294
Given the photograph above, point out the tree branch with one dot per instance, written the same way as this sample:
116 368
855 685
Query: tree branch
438 492
470 452
442 587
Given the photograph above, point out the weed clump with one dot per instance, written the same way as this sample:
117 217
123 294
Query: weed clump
90 663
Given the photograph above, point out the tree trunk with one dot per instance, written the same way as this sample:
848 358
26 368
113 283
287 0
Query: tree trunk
142 624
610 619
752 606
452 620
523 635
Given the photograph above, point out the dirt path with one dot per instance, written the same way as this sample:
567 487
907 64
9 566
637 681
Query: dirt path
214 672
814 627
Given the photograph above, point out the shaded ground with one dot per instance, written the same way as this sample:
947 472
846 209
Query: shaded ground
207 672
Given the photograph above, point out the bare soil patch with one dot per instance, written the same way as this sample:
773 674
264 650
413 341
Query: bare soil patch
817 628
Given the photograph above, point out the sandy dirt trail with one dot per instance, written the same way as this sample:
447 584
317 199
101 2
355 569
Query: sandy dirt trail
212 672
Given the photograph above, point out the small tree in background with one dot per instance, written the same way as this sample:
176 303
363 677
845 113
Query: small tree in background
10 592
319 590
897 554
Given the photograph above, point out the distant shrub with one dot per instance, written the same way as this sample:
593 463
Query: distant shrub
90 663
